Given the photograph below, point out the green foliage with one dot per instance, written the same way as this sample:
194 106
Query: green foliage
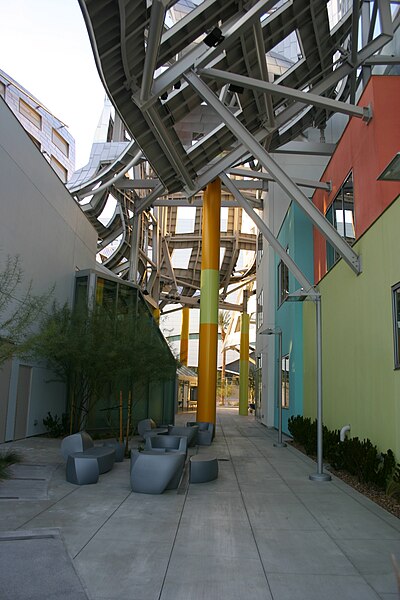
6 460
97 353
19 309
393 486
55 426
359 458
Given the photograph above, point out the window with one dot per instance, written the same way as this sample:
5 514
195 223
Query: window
260 241
341 215
285 381
283 282
59 141
396 324
30 113
59 169
2 89
34 140
260 303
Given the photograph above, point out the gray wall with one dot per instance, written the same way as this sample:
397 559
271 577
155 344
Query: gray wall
41 222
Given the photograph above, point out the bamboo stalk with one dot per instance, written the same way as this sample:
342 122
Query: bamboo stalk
121 434
128 422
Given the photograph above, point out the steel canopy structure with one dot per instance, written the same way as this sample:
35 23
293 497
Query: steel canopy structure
194 85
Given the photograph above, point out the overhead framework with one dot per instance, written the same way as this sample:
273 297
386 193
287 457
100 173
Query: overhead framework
200 91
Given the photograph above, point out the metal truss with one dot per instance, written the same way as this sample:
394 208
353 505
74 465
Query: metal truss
160 68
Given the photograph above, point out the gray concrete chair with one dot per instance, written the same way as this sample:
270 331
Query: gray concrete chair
153 472
149 427
205 432
189 432
171 443
82 469
81 444
203 467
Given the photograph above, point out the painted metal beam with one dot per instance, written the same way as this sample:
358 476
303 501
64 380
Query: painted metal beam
157 16
269 236
362 112
383 59
320 185
293 191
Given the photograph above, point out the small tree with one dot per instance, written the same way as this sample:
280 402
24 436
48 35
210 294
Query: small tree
19 308
97 353
224 319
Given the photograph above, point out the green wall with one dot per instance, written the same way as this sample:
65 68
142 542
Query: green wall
360 385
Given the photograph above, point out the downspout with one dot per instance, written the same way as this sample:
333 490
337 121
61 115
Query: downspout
343 432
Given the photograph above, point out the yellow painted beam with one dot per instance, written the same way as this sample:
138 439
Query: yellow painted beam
208 342
184 348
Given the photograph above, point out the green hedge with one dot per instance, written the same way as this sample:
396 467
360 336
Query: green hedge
359 458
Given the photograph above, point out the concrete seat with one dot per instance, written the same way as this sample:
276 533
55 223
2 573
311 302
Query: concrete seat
119 448
148 427
189 432
81 443
171 443
82 469
153 472
205 432
203 467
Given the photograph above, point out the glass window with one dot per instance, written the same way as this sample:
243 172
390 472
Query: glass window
396 324
260 242
283 282
59 141
260 314
35 141
59 169
341 214
81 289
30 113
285 381
185 219
2 89
126 299
106 293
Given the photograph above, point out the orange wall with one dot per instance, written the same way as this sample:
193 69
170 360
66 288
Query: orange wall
366 149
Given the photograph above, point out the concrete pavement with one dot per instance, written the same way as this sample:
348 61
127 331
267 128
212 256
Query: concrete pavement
261 531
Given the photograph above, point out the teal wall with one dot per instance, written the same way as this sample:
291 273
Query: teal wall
296 234
360 385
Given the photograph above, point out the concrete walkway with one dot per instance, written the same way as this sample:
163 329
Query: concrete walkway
261 531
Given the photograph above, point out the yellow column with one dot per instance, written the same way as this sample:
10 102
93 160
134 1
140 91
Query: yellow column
244 365
184 351
208 343
156 315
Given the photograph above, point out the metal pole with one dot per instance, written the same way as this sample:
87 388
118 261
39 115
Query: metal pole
319 475
279 443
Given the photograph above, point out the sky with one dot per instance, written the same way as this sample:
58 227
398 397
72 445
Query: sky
44 46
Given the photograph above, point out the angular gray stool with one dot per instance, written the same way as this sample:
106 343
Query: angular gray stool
82 469
203 467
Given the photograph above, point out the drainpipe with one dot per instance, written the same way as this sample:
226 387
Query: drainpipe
343 432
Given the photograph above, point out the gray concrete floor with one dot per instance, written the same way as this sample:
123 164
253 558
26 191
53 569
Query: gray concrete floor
261 531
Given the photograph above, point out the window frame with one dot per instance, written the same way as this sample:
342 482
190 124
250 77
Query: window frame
30 113
332 256
283 281
396 326
60 142
285 381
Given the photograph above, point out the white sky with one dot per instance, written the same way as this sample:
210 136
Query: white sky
44 46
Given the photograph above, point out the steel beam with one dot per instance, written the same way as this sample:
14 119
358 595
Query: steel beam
269 236
157 16
281 90
294 192
318 185
134 253
202 55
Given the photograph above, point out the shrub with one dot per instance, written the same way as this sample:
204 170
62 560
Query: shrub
359 458
56 427
6 460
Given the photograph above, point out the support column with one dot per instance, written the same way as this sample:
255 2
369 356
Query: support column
184 351
156 315
244 359
208 343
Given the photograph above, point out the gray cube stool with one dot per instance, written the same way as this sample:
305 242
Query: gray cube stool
82 469
119 448
203 467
